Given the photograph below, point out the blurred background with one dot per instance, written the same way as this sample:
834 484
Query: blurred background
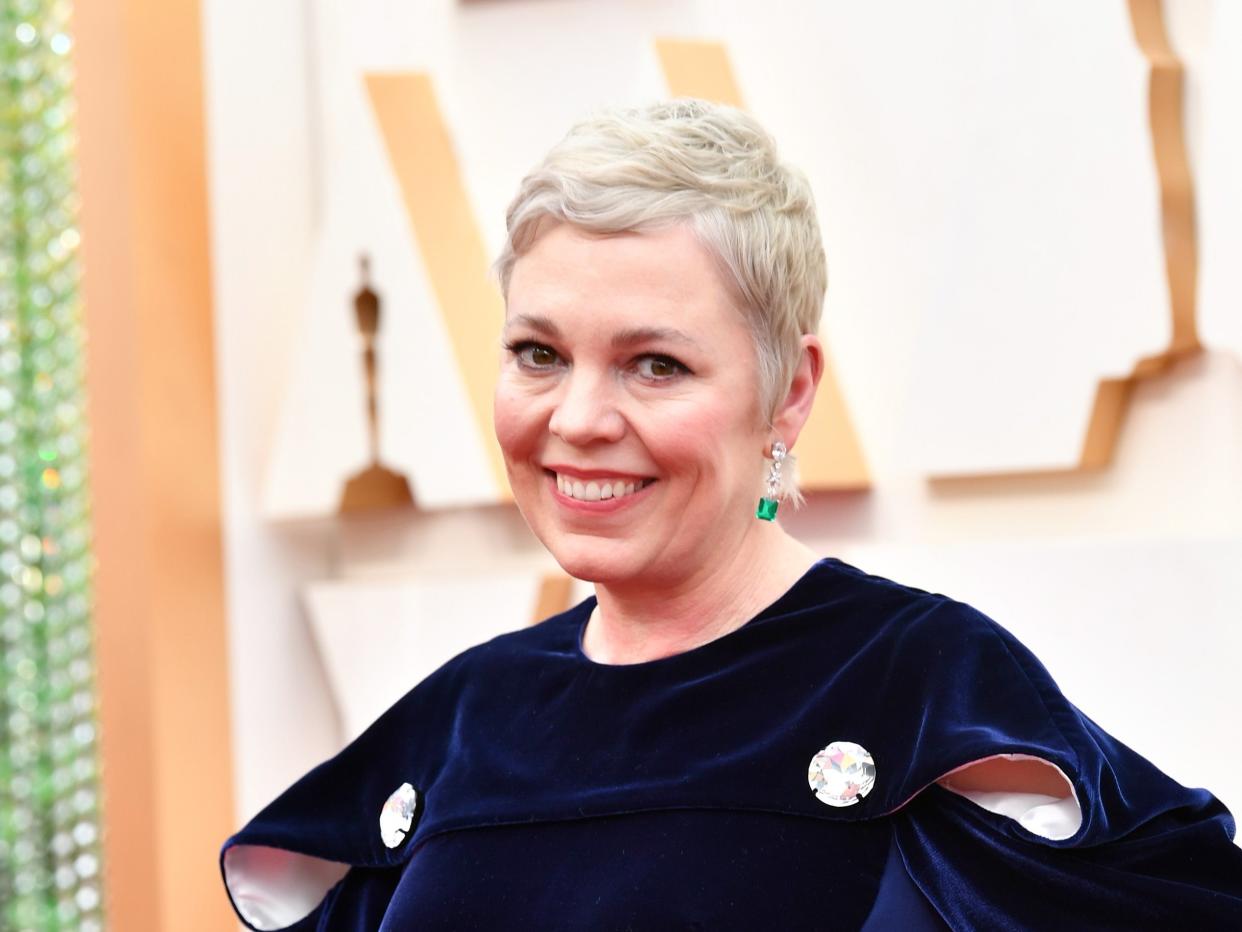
248 489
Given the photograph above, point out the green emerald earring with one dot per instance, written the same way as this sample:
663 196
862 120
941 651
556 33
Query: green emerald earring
772 495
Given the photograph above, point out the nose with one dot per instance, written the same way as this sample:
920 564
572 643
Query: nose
586 411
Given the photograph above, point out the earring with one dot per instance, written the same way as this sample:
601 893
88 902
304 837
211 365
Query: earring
771 499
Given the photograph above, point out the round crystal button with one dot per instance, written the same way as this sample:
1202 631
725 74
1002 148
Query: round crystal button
398 815
842 773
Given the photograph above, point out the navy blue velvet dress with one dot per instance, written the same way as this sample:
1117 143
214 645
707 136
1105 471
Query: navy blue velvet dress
557 793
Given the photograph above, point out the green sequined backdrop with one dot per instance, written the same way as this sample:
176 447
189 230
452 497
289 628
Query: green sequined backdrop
50 870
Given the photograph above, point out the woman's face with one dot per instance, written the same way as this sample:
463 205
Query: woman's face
628 406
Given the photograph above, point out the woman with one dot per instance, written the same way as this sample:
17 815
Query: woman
731 732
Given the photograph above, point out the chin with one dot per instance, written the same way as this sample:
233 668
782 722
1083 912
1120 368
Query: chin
593 561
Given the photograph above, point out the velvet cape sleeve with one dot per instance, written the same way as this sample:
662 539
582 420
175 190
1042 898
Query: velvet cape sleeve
1149 854
926 684
329 819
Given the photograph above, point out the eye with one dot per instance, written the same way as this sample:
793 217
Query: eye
660 368
532 355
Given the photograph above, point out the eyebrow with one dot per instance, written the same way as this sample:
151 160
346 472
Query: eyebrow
628 337
536 322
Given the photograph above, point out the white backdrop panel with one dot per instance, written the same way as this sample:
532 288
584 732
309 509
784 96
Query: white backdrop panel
380 639
990 168
1220 185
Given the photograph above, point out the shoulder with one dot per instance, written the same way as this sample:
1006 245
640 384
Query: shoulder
966 702
833 584
900 617
959 688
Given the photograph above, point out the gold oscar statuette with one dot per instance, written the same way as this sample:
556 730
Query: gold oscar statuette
377 486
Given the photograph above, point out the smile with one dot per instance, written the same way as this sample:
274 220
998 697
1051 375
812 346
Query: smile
599 490
599 495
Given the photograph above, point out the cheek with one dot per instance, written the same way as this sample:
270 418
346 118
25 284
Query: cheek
709 440
515 419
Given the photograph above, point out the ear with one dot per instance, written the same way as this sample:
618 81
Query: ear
792 413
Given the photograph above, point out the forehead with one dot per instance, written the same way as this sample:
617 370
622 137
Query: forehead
662 276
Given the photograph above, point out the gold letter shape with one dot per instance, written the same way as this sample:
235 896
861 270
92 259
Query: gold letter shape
421 156
1177 207
829 454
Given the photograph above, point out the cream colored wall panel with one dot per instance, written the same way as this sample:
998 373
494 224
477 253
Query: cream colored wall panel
1026 118
1055 276
1220 201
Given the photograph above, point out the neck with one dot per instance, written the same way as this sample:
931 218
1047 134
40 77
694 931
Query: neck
647 620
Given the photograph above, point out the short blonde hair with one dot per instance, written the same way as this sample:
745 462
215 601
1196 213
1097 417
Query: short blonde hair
714 168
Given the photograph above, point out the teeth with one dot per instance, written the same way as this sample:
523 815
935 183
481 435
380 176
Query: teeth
597 490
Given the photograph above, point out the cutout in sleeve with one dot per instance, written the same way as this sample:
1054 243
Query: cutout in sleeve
1030 790
274 889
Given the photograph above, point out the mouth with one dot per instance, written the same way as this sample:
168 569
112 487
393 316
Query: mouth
598 490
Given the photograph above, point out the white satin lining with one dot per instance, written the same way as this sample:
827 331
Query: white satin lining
1053 817
273 889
